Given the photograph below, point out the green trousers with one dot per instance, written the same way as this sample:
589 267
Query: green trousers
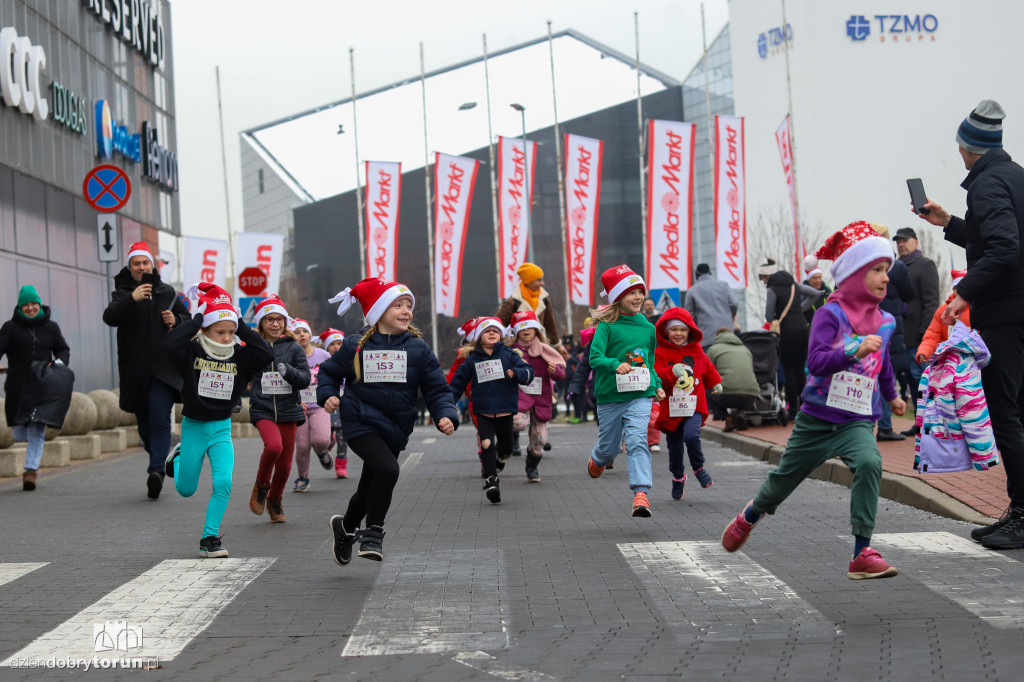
812 443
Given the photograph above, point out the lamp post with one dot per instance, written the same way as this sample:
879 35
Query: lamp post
526 181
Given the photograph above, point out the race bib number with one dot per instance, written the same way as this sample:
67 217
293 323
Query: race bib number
274 384
682 405
216 385
308 395
638 379
488 370
535 387
851 392
385 366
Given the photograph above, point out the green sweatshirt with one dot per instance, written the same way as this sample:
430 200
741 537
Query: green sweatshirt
631 339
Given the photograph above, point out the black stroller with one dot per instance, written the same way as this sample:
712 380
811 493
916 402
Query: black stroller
769 406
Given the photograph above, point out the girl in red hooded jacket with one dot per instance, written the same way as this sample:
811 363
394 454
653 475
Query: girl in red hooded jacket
686 372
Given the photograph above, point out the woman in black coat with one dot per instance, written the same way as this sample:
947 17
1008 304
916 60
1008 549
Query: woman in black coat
29 336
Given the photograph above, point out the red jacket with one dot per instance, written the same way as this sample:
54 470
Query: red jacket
667 354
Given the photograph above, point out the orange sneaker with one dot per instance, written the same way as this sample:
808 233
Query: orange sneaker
641 505
593 469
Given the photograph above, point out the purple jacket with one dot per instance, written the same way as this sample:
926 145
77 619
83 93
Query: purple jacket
542 403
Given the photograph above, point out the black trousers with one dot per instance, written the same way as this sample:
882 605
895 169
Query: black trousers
793 354
372 498
1003 380
497 433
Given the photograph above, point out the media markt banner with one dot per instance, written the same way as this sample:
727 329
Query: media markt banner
383 194
205 261
583 156
454 178
260 250
513 205
730 202
670 146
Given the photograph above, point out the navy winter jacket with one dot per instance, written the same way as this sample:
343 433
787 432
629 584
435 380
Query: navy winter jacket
384 408
281 408
499 395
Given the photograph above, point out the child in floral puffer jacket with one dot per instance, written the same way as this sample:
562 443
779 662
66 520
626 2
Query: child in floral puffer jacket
954 432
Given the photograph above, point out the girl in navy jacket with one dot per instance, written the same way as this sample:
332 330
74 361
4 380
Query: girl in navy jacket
496 371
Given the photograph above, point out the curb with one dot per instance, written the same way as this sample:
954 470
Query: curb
896 487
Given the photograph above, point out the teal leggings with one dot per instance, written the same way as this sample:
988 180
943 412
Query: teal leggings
213 440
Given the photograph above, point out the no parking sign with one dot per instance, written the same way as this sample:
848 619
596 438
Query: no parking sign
107 188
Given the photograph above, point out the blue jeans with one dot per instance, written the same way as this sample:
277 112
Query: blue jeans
686 434
34 434
626 420
155 423
213 440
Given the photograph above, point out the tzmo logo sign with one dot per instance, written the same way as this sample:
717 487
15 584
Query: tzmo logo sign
895 26
773 40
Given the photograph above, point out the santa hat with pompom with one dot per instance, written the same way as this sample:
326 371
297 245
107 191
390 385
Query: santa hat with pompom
271 305
299 323
525 319
484 323
618 280
853 247
467 328
811 267
330 335
215 304
140 249
375 295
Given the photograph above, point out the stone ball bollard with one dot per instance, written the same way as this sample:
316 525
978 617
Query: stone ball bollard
177 412
81 416
127 418
108 413
242 416
6 434
52 433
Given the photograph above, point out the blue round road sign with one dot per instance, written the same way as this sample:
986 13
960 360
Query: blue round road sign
107 188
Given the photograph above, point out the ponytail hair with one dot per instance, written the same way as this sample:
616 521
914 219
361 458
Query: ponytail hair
608 314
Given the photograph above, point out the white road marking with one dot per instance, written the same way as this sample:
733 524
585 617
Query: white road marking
701 582
979 580
444 601
428 441
169 605
412 460
737 463
9 572
485 663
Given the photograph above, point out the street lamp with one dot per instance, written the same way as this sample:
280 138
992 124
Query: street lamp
526 178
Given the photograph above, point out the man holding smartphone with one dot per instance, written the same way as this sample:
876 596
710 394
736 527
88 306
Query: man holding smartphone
144 309
992 232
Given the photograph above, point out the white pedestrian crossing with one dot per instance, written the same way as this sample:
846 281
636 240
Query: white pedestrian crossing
13 571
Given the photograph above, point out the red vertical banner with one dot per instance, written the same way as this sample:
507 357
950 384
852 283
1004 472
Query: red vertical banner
513 205
454 179
786 154
670 147
383 194
583 158
730 201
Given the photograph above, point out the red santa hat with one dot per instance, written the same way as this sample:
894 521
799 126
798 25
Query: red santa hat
467 328
215 304
271 305
618 280
139 249
485 323
853 247
375 295
330 335
811 267
525 319
299 323
957 276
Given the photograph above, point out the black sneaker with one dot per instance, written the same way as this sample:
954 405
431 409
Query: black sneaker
343 540
1009 536
492 490
978 533
888 435
210 547
371 543
172 457
547 447
154 484
326 461
516 451
532 475
499 464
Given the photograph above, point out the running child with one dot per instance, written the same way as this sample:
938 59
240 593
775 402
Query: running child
621 356
683 366
848 359
467 331
330 340
496 372
536 398
275 407
316 432
382 371
214 370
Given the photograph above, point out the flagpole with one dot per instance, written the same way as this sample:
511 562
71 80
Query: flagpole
430 222
792 142
640 154
561 189
710 124
494 186
359 189
224 162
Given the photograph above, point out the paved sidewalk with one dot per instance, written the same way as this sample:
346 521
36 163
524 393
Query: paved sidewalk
967 496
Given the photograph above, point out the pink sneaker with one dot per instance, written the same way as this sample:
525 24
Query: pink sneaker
870 564
341 467
738 531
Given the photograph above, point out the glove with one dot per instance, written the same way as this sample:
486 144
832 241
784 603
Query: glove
717 389
282 369
678 369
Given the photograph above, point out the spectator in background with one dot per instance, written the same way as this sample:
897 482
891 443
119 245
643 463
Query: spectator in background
816 280
735 365
531 295
711 303
650 310
925 278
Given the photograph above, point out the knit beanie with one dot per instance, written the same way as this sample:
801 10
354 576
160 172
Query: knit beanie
703 269
28 294
528 272
768 269
983 128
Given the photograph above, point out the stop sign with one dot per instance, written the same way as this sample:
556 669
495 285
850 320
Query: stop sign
252 281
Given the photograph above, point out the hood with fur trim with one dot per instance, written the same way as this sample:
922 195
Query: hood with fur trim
683 315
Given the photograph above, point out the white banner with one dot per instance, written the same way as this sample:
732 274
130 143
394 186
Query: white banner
454 178
670 147
786 154
512 208
383 192
730 201
205 260
261 250
583 156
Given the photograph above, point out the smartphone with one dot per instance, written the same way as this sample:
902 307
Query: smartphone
917 195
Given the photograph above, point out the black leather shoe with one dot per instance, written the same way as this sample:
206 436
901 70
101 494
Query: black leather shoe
889 434
909 433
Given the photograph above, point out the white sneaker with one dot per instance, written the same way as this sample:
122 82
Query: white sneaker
655 448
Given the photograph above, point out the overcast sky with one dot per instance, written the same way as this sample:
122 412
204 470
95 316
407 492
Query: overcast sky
279 58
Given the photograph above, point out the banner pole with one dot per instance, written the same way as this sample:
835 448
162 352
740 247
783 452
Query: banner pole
359 188
640 137
494 186
430 222
561 190
712 132
224 162
792 144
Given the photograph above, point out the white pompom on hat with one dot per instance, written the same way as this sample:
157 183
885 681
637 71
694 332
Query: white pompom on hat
618 280
375 295
853 247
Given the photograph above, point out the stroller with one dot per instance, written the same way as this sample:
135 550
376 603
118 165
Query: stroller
769 407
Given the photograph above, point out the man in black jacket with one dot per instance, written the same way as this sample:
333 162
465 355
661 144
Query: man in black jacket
992 232
924 275
144 309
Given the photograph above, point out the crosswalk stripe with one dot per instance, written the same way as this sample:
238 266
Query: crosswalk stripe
485 663
412 460
442 601
726 585
13 571
163 610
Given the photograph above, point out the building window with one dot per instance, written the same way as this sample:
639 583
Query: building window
261 180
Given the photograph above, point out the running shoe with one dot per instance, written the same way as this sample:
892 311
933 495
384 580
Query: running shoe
641 505
870 564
